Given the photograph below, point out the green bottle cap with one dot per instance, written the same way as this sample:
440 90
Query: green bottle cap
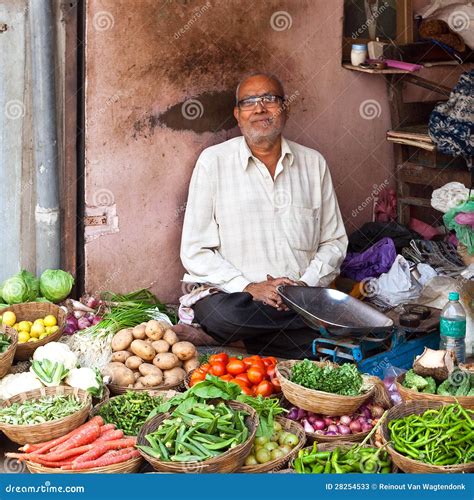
453 296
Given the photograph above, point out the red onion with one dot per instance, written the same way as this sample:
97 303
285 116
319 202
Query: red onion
92 302
377 411
318 425
366 427
343 429
366 413
293 415
355 427
312 419
307 426
96 319
328 421
301 414
78 314
71 321
83 323
330 433
345 420
362 420
332 428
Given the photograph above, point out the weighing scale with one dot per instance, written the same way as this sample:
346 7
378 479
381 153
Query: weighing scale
351 330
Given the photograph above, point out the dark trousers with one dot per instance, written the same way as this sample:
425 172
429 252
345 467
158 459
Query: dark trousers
229 317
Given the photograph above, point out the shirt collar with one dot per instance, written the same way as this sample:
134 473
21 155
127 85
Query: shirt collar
246 154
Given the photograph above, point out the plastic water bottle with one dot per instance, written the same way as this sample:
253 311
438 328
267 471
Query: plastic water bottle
453 327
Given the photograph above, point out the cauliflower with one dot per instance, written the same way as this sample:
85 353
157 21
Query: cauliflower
86 379
14 383
431 387
56 352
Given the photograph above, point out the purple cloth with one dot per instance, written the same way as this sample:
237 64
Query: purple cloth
371 263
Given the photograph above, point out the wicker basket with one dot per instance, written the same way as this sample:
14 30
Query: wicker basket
37 433
319 401
6 358
117 390
409 395
280 463
408 464
341 445
228 461
30 311
128 467
340 438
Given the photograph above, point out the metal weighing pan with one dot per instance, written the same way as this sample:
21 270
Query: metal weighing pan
341 315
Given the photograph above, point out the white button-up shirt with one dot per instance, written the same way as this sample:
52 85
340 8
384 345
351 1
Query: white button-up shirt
240 224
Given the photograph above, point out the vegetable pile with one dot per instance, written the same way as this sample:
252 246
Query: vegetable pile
278 445
342 461
460 383
129 411
344 380
202 432
31 331
254 374
38 411
5 342
361 421
93 444
149 355
443 436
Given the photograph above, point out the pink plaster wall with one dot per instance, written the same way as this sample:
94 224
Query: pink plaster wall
140 66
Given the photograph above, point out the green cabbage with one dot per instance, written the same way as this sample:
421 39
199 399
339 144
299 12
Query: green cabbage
23 287
55 284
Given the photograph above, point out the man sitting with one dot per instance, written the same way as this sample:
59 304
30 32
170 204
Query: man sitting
261 212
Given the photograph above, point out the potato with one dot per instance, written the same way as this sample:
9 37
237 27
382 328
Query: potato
149 342
191 364
139 385
139 332
184 350
149 369
160 346
143 350
152 380
174 376
133 362
170 337
154 330
121 356
119 374
136 375
122 339
166 360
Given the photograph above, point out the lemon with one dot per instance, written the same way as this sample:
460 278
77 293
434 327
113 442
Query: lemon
50 320
54 329
37 330
48 330
30 323
9 318
23 337
39 321
43 335
24 326
33 339
15 326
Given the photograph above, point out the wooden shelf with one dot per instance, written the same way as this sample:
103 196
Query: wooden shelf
388 71
434 177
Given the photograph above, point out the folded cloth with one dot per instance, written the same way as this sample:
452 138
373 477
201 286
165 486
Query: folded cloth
449 196
371 263
186 302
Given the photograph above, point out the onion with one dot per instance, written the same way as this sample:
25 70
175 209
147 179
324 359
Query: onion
69 330
96 319
330 433
377 411
328 421
333 428
366 427
366 413
388 381
362 420
293 415
71 321
83 323
312 419
307 426
318 425
78 314
345 420
301 414
343 429
92 302
355 427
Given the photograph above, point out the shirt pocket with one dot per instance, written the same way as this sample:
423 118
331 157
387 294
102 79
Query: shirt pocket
300 225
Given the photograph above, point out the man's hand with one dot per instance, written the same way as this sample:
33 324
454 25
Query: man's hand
265 291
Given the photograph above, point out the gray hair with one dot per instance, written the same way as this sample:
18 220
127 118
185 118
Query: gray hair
270 76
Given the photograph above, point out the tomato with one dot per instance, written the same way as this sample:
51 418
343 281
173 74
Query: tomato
196 378
217 369
269 361
205 367
222 357
228 377
248 362
276 385
258 363
244 378
247 391
239 383
255 374
265 389
271 372
235 367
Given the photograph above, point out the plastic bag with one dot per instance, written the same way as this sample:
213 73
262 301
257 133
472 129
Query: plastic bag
389 376
464 232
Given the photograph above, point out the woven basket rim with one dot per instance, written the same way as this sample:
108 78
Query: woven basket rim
8 330
118 390
415 407
83 395
150 426
340 397
130 463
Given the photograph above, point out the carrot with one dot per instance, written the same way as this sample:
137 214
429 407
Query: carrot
107 427
103 461
102 448
87 435
58 456
47 463
108 436
40 448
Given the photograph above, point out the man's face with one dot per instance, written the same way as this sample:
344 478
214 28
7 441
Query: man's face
262 122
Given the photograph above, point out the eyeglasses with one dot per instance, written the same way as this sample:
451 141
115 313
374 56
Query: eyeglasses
267 101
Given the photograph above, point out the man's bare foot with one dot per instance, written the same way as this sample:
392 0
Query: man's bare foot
196 336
